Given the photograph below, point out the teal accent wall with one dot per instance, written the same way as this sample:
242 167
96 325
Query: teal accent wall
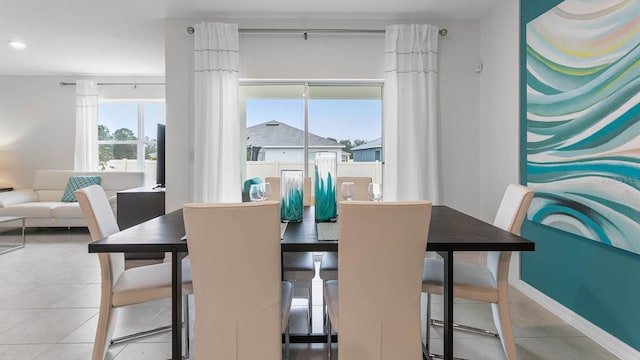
596 281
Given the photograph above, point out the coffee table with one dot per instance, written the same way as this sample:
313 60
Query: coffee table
11 227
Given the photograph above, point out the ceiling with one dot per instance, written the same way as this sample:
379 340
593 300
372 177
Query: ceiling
126 37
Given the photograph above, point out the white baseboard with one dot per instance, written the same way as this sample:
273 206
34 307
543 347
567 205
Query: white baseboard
603 338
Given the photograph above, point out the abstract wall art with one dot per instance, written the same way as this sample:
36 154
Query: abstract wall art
583 120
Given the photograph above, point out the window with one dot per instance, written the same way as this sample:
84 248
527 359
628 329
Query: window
350 115
287 123
127 136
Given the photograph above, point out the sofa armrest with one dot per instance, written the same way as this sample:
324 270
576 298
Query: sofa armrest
113 201
17 197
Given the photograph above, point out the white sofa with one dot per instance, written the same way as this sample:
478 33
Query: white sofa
42 205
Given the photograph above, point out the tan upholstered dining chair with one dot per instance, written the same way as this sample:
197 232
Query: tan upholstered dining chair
374 306
488 283
241 310
361 185
122 287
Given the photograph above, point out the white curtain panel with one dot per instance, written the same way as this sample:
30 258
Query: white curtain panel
410 131
217 143
86 147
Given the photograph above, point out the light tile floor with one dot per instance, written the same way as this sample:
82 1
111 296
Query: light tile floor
50 291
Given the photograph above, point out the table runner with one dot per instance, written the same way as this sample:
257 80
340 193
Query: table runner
327 231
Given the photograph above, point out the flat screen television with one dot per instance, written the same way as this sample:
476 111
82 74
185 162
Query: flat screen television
160 161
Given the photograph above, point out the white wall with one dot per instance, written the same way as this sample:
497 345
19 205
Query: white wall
499 106
459 51
37 122
179 125
37 118
278 56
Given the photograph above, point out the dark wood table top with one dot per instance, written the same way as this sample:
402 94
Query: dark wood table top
450 230
160 234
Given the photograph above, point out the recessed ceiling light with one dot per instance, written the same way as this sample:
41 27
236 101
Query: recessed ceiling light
17 44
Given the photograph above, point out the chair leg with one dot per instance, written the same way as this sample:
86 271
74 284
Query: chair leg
427 324
456 326
328 326
185 324
140 334
106 323
324 311
161 329
466 328
286 342
502 320
310 305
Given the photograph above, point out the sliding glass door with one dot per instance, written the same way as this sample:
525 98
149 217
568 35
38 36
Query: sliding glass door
286 123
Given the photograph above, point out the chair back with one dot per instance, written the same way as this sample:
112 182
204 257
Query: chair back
381 247
510 216
513 208
306 191
235 264
276 192
101 222
362 187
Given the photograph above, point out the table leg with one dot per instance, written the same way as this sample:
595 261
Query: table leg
22 244
281 265
447 256
23 226
176 304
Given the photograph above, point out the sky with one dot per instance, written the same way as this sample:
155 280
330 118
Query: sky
118 115
338 119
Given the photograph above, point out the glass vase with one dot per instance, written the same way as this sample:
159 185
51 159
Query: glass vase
291 185
325 169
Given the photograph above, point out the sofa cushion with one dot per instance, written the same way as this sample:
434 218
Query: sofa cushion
17 197
31 210
67 210
77 182
49 195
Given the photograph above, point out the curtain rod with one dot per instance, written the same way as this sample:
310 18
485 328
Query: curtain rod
305 32
62 83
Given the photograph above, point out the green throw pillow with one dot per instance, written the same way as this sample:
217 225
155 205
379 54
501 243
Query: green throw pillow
78 182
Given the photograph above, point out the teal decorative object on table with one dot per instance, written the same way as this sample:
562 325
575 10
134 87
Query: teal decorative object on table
247 186
325 168
291 205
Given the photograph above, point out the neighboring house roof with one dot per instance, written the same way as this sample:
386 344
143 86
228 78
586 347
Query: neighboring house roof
275 134
377 143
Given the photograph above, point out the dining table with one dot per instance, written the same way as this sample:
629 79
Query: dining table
450 231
